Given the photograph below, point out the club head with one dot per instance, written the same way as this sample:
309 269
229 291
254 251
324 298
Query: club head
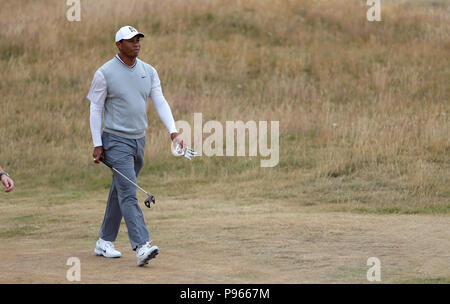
149 200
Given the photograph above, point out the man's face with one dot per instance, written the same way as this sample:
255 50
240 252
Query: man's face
129 47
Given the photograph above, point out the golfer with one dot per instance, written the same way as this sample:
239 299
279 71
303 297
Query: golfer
6 180
120 89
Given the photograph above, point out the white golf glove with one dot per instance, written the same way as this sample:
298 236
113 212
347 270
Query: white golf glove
186 152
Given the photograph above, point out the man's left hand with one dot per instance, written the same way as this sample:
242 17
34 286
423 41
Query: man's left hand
180 149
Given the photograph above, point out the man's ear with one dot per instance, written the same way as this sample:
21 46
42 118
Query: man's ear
119 45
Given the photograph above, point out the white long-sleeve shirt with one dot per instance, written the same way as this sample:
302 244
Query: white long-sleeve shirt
97 95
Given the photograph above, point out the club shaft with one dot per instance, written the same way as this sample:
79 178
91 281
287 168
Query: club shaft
123 175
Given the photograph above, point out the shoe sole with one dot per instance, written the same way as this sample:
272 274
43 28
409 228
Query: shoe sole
100 252
152 255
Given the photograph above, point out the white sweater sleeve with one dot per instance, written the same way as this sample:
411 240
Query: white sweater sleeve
161 105
97 96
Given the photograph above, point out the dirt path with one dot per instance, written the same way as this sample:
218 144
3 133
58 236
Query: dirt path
212 241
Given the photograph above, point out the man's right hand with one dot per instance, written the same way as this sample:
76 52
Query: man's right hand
98 153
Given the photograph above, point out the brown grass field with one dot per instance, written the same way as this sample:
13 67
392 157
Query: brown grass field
364 165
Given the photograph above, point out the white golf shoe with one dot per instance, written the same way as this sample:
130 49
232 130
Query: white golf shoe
106 249
145 253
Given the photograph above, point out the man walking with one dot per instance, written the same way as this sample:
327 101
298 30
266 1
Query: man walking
120 89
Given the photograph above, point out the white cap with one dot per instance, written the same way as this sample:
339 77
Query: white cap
127 32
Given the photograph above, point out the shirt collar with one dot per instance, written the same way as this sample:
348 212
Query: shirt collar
130 67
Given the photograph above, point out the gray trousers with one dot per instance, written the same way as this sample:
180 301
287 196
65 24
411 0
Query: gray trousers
127 156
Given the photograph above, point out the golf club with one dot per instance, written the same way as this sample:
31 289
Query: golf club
150 198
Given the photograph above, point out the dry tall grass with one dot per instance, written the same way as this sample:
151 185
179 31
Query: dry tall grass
363 106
